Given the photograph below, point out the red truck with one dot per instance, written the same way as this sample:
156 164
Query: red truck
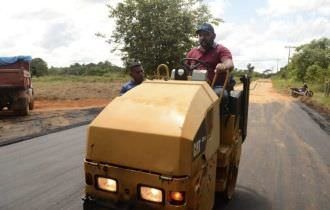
16 92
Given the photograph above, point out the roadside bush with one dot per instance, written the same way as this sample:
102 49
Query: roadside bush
316 74
39 67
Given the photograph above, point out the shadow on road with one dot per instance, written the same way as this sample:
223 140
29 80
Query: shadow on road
244 199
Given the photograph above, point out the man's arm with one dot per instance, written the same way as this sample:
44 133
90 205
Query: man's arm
226 64
226 60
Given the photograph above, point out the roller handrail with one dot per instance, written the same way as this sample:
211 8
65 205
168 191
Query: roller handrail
164 66
224 84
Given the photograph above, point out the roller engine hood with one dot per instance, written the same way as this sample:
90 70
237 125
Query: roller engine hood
151 127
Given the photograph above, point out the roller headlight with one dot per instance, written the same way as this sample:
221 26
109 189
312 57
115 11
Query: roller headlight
151 194
107 184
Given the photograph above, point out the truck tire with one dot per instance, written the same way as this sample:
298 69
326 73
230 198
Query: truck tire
233 172
31 97
31 104
21 106
25 111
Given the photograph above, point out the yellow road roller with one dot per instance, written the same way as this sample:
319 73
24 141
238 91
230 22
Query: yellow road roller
165 144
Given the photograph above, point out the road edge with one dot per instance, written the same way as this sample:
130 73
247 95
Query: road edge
31 136
317 117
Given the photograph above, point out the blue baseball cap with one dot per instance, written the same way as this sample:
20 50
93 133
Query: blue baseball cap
205 27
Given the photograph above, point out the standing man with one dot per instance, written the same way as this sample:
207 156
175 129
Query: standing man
137 74
218 57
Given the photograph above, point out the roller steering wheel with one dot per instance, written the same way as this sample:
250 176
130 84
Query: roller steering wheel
190 68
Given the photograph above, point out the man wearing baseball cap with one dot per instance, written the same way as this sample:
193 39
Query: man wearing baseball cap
218 57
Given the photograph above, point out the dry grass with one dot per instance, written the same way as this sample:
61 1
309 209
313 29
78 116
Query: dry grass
74 88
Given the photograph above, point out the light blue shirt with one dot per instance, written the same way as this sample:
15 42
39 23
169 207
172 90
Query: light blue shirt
127 86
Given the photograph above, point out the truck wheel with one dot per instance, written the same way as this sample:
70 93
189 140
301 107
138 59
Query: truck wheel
25 111
233 172
31 104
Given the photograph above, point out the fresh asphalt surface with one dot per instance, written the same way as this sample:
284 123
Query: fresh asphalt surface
285 163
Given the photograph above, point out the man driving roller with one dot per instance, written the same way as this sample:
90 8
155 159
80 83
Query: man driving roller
217 57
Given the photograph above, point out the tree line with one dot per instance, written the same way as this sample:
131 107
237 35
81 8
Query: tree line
40 68
310 63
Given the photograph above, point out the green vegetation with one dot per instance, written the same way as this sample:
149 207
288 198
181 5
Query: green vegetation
254 75
103 71
39 67
91 69
237 73
310 64
164 35
283 86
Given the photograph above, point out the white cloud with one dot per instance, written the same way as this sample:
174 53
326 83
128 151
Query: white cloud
283 7
248 45
263 44
57 35
112 2
217 7
261 39
61 32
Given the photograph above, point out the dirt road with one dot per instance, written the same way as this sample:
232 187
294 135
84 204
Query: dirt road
285 163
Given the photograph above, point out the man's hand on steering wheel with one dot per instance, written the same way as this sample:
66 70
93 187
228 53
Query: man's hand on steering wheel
190 68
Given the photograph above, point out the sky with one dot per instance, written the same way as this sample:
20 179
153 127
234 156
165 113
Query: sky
62 32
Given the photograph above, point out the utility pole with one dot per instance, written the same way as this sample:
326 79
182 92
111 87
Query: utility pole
290 47
277 60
